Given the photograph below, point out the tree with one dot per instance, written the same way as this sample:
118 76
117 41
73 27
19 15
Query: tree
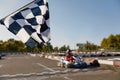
104 43
118 41
90 46
111 43
1 43
64 48
56 49
5 46
36 49
20 46
47 48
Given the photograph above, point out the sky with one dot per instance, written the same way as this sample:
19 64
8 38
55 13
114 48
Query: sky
72 21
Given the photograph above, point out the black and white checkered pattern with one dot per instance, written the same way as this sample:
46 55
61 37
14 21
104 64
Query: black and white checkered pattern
30 23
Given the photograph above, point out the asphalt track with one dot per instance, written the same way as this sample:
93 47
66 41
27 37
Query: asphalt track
25 67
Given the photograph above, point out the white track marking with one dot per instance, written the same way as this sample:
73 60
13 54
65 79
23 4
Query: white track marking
45 67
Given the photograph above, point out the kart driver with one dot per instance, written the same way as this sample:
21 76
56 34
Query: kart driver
69 56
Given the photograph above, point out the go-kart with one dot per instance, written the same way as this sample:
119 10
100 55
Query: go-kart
77 63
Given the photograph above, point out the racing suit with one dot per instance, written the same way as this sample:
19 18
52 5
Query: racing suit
69 57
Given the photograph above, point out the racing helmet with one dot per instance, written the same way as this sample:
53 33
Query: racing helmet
68 51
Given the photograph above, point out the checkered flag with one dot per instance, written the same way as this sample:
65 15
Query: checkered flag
30 23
